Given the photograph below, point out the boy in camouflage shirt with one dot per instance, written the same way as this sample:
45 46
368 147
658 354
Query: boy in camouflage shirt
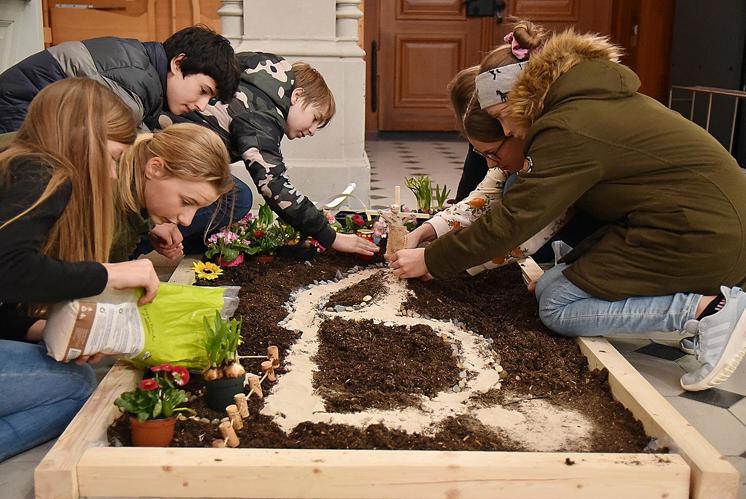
276 99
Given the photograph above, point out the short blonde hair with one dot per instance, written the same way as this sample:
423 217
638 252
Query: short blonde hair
315 91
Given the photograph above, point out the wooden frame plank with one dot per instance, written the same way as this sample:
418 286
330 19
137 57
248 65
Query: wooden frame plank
79 465
291 473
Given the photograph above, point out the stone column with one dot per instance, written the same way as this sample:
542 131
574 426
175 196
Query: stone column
324 34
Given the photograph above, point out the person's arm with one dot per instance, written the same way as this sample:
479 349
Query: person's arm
256 138
562 171
28 275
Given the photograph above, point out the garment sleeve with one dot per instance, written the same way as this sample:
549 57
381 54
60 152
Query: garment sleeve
256 137
29 276
561 172
473 206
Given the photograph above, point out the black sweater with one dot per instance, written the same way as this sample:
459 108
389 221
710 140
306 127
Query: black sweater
28 276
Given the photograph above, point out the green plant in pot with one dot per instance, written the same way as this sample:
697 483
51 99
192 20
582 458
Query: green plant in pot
225 375
153 404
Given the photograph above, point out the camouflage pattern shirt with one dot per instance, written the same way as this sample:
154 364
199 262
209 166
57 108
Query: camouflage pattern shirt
252 126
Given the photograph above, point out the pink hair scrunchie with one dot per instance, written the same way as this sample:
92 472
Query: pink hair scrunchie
519 52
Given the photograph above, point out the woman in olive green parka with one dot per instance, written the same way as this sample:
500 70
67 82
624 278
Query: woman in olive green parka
673 198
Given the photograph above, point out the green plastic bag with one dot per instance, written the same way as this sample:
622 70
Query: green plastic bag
174 325
169 330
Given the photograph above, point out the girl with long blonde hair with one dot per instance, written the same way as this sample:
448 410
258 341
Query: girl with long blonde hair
163 180
56 229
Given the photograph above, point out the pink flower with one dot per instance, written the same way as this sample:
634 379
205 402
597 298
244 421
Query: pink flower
379 228
166 368
330 217
181 375
357 220
148 384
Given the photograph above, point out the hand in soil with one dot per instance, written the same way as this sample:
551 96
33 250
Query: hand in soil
408 263
350 243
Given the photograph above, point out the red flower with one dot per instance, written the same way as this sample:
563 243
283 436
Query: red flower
148 384
181 375
166 368
357 220
259 234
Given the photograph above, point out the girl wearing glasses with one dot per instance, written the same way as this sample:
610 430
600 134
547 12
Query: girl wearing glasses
502 156
672 255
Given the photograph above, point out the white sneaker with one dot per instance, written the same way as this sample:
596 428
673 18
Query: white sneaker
722 343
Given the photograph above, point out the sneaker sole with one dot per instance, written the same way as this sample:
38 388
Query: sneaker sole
729 361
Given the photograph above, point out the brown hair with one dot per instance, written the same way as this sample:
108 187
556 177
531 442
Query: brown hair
479 125
528 35
66 128
189 151
461 91
315 91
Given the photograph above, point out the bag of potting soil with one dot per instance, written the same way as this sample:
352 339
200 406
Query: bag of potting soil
170 329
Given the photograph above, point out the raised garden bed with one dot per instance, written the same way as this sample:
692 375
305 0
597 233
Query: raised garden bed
321 411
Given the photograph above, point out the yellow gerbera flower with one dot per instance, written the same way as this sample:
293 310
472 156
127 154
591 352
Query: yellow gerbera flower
207 270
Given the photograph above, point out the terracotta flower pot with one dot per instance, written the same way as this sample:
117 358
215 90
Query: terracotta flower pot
219 393
264 259
233 263
152 432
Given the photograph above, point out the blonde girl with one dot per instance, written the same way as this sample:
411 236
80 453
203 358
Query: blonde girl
162 181
56 228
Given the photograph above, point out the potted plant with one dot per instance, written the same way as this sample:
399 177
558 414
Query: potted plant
422 188
225 375
228 245
440 196
152 405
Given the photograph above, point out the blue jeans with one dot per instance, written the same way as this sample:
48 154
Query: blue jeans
38 395
568 310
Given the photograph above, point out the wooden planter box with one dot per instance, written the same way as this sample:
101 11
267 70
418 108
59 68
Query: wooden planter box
81 463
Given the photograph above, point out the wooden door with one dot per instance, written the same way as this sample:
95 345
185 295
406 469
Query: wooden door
557 15
145 20
423 43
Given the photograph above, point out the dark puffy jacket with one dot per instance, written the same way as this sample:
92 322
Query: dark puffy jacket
135 71
252 125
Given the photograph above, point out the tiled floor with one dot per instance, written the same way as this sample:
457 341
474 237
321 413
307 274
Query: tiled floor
720 414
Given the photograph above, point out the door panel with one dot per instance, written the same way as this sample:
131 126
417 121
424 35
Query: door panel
423 43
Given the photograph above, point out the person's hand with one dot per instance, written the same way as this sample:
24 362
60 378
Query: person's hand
421 234
408 263
90 359
135 274
350 243
167 240
34 334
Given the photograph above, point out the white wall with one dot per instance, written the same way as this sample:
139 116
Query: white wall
21 30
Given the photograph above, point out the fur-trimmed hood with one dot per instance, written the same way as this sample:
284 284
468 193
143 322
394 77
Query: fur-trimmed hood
542 85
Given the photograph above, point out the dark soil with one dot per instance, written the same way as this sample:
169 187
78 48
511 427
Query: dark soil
494 304
363 365
372 286
539 363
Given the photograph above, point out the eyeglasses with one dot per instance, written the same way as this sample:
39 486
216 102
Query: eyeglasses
492 156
